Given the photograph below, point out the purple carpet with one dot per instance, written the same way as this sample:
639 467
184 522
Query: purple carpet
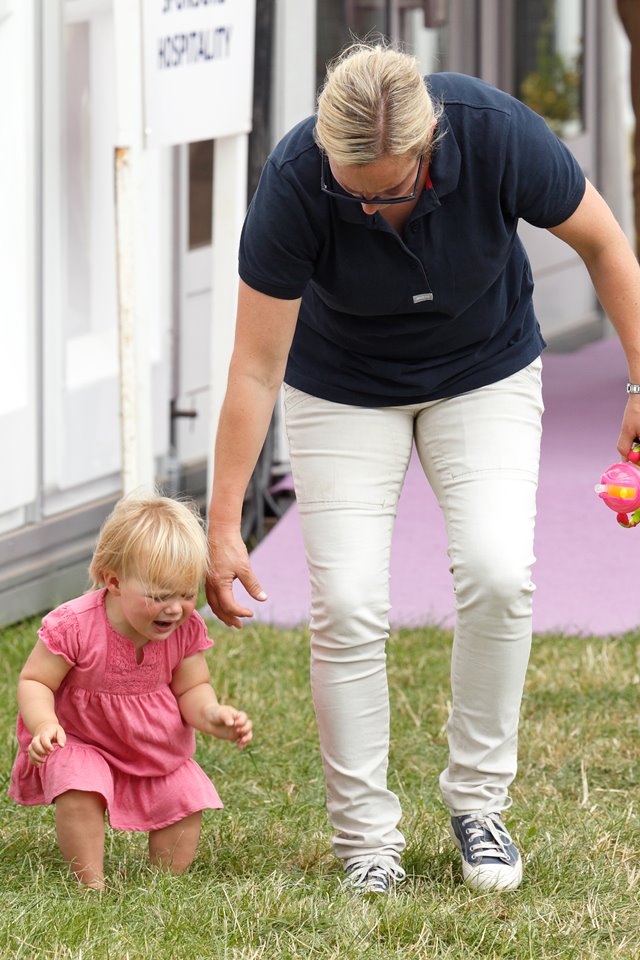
587 570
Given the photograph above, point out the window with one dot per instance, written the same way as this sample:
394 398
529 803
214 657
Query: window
200 194
549 53
421 25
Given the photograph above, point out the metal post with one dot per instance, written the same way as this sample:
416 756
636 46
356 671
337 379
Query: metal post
126 319
135 389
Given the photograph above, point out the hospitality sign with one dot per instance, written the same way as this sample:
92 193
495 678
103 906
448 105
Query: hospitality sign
198 69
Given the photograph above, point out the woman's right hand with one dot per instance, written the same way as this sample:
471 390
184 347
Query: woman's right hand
46 736
264 331
229 562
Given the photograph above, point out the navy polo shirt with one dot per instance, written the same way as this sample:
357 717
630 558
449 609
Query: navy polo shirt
445 308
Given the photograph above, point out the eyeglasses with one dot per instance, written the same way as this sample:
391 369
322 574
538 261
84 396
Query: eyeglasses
340 194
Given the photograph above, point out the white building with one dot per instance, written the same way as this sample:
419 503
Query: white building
60 396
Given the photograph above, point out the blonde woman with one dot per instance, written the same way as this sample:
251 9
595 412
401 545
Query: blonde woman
112 691
382 277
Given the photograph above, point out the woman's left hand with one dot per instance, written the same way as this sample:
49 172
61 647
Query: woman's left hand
630 429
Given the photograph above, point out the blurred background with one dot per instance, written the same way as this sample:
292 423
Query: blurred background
76 83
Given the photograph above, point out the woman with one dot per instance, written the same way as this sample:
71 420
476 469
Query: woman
383 279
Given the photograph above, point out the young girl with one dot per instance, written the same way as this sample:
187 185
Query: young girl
113 689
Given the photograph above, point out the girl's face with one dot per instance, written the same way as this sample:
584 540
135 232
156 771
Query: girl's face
144 615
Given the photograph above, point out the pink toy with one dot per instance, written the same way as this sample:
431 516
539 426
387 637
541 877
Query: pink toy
619 487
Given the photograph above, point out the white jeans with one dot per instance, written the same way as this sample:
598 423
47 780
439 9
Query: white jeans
480 453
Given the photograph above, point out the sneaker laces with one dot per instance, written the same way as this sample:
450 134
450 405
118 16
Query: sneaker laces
493 845
375 872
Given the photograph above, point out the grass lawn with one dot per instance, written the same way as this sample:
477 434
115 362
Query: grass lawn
264 884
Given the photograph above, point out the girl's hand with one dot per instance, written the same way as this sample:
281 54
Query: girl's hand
47 735
227 723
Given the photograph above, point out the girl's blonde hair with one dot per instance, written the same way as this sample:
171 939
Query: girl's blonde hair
374 103
158 541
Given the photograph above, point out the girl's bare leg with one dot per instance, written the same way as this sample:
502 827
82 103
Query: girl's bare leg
173 848
80 831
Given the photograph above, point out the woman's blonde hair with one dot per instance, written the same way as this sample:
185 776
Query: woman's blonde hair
374 103
158 541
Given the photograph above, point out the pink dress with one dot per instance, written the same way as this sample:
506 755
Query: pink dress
126 738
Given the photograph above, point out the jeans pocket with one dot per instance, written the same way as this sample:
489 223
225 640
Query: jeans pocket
293 397
533 370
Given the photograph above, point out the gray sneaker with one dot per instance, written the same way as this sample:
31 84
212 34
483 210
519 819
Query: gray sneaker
373 874
490 859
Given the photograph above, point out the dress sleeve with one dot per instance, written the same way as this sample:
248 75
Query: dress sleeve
543 182
61 635
196 637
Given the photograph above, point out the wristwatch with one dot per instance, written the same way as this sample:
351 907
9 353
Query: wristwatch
633 388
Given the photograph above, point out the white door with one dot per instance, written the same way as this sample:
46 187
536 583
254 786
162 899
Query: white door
81 425
81 419
19 245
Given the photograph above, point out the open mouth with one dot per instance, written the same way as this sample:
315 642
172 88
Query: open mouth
164 624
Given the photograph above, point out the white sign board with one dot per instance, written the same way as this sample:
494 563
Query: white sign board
198 69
